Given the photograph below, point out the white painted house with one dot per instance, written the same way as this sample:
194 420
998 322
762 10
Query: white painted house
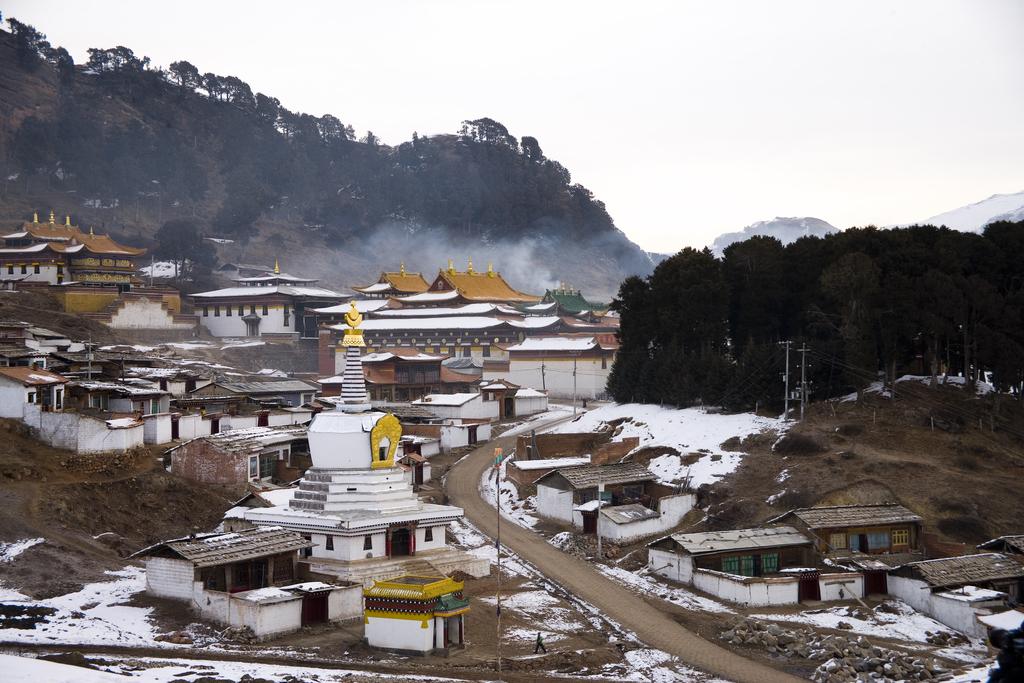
468 406
247 578
560 366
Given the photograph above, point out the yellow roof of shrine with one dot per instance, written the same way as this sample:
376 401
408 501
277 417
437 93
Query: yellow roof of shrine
474 286
64 237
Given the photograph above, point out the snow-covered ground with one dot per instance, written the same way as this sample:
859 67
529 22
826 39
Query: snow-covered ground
689 431
164 269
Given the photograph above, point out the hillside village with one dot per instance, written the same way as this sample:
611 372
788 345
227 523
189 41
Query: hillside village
347 504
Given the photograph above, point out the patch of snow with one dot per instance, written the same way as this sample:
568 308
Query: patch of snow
689 430
8 551
643 583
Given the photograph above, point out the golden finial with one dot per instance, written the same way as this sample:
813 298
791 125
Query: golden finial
563 288
277 271
90 232
35 218
67 222
490 271
51 218
451 266
470 271
403 268
353 335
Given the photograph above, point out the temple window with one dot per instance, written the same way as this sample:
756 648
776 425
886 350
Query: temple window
216 311
428 535
264 309
368 543
206 311
35 269
330 543
227 310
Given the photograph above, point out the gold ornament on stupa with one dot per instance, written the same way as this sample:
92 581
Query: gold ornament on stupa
353 335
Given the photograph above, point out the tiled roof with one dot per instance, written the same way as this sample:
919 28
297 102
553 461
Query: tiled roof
30 377
1015 544
853 515
406 283
414 587
969 569
216 549
740 539
573 301
484 287
65 238
253 439
618 473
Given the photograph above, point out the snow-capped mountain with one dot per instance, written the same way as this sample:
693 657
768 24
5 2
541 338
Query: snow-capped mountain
785 229
974 217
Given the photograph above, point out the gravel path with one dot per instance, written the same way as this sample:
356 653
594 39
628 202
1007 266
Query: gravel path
655 628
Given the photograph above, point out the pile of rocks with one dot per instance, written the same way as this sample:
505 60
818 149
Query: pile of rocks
844 658
582 546
945 639
91 463
176 637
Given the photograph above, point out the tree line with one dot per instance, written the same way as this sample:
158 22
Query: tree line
868 304
178 143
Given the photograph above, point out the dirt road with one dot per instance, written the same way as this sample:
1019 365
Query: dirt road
644 618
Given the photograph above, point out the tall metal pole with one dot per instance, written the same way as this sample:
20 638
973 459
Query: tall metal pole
497 543
785 413
574 356
803 380
597 519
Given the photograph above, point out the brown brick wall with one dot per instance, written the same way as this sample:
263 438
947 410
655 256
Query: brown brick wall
935 547
561 445
614 451
422 430
200 461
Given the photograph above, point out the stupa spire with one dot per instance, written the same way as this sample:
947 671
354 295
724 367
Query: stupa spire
353 385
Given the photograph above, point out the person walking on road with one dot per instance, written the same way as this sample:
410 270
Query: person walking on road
540 644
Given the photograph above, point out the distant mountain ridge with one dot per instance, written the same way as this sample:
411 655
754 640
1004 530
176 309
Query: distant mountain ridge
974 217
787 230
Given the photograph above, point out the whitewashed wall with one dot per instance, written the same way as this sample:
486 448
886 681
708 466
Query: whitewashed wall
671 510
749 591
844 586
911 591
530 405
170 578
145 314
156 428
400 634
555 503
666 563
958 614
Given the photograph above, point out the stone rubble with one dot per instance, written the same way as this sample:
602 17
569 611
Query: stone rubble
844 659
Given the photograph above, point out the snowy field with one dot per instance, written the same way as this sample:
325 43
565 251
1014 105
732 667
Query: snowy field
689 431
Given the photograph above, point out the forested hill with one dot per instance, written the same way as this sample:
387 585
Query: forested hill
125 146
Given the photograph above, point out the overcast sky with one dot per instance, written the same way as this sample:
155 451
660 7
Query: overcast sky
688 119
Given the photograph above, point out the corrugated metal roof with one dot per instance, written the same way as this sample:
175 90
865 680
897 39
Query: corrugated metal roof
969 569
740 539
618 473
853 515
624 514
216 549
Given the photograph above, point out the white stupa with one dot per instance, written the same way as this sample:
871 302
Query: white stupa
355 504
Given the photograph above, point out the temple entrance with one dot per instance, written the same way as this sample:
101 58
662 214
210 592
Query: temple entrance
314 608
401 542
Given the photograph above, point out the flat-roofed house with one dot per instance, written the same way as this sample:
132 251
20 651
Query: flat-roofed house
956 590
248 577
755 567
244 456
562 366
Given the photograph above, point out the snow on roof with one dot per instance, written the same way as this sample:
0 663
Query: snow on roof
455 324
550 463
617 473
376 287
1010 620
589 506
533 322
447 399
29 377
468 309
362 305
123 423
625 514
287 290
555 344
425 297
254 438
125 389
214 549
740 539
527 392
973 594
540 307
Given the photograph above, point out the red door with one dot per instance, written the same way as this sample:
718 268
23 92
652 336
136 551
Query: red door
589 522
875 582
809 589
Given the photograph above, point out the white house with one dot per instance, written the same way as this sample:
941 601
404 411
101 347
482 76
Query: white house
416 615
957 590
247 578
562 366
20 386
470 406
530 402
621 501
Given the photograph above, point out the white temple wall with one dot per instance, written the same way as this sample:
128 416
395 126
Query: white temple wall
438 542
400 634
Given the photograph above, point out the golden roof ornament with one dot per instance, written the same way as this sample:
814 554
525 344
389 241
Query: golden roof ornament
35 218
563 288
90 232
490 271
277 271
403 269
67 222
353 335
51 218
470 271
451 266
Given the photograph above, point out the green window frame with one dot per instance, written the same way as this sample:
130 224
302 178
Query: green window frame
747 565
731 565
769 563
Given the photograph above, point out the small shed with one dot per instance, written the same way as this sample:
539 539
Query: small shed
246 578
1011 546
415 615
244 456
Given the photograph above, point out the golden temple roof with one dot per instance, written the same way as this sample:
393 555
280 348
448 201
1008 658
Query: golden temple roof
65 237
474 286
